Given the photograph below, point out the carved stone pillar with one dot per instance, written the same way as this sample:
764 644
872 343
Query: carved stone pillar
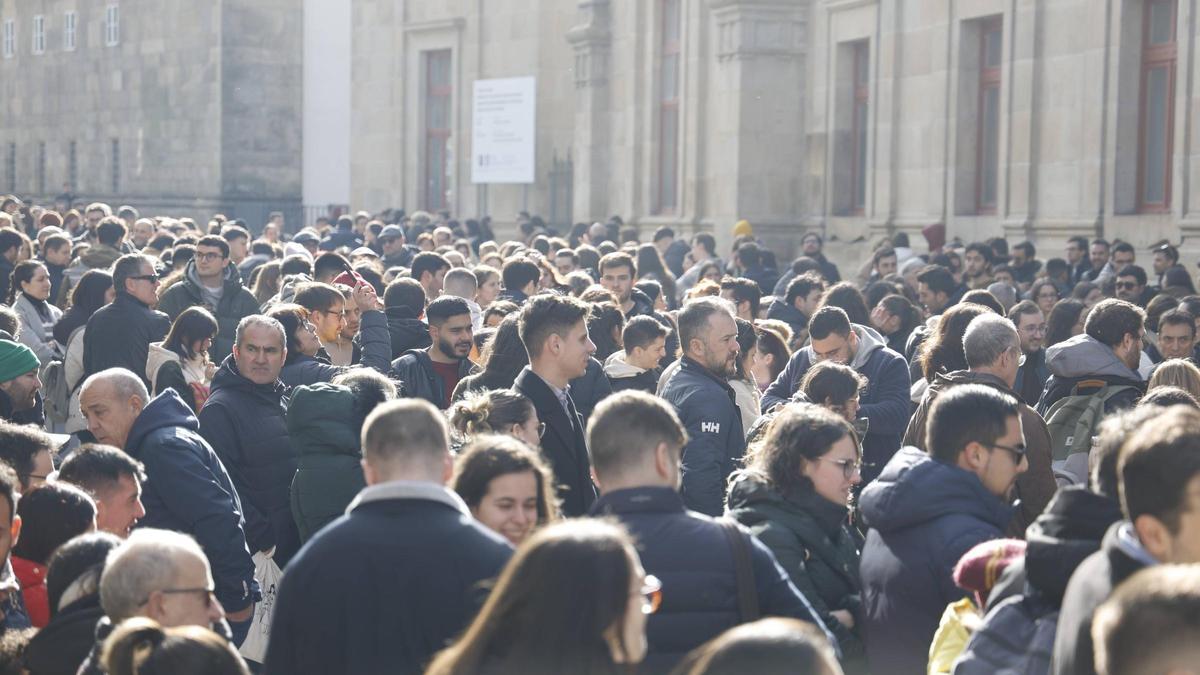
592 41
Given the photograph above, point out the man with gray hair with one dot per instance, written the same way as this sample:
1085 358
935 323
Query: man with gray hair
245 422
992 348
160 575
461 282
400 573
187 488
700 393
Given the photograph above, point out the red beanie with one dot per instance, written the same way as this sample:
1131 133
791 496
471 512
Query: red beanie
980 568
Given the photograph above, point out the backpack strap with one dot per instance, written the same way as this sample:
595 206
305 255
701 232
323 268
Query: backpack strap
743 568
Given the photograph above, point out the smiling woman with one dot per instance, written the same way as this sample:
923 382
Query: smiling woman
506 485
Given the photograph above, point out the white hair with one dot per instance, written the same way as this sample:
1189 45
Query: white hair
125 384
147 561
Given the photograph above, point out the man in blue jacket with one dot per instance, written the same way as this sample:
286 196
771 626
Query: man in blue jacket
636 441
885 402
700 393
187 488
383 588
926 510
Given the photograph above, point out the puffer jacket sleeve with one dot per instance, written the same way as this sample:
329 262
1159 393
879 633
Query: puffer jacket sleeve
791 556
174 300
220 430
193 495
889 411
777 595
376 341
708 457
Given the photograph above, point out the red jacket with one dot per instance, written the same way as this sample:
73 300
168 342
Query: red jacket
32 576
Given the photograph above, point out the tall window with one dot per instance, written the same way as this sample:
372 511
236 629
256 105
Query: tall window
116 166
41 168
69 21
112 25
668 110
72 165
38 42
438 99
858 131
10 38
987 141
1157 104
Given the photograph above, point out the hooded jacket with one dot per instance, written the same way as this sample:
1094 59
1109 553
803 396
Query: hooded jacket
323 424
245 423
924 515
188 490
119 336
385 587
236 303
644 306
885 401
1036 486
1083 357
781 310
1119 557
814 543
621 375
407 331
1017 634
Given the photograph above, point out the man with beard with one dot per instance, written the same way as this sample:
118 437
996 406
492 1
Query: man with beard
432 373
20 401
700 393
1132 287
1031 326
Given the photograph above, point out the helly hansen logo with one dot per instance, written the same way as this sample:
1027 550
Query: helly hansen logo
710 427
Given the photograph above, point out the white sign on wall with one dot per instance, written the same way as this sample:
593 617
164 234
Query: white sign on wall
503 130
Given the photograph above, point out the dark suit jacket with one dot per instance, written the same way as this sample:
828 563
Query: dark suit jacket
563 444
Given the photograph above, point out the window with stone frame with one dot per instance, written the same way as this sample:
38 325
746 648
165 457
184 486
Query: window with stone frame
70 23
37 43
10 38
860 111
112 25
1156 105
668 108
439 97
987 131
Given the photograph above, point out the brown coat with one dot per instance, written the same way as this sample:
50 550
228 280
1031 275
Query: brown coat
1036 486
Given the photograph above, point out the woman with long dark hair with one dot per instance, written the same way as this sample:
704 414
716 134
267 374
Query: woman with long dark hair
943 352
1065 321
29 295
650 265
771 358
573 599
501 359
94 290
794 495
180 361
847 296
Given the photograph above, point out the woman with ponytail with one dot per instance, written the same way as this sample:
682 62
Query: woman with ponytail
499 411
140 646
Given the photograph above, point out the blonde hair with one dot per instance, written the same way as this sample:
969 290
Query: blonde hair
1177 373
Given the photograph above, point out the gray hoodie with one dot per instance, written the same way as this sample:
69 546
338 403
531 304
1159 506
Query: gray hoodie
1083 355
869 340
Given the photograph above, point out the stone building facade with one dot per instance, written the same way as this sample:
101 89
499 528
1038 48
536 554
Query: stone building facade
858 118
173 106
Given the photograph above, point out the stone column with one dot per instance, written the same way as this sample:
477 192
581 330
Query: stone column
757 128
592 42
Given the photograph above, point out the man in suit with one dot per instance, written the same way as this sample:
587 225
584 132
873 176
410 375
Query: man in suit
554 330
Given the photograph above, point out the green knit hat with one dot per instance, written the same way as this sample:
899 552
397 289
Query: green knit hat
15 360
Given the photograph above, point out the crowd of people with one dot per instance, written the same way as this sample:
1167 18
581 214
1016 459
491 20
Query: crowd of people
394 443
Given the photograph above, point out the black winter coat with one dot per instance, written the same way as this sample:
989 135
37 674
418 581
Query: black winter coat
1090 585
188 490
246 424
119 336
383 588
924 515
589 389
63 645
415 370
691 555
814 543
407 331
563 444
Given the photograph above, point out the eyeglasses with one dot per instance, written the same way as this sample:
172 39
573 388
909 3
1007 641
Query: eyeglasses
1127 285
309 327
153 278
208 592
1018 451
849 466
541 429
206 257
651 594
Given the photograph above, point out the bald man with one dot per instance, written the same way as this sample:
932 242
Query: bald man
187 488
